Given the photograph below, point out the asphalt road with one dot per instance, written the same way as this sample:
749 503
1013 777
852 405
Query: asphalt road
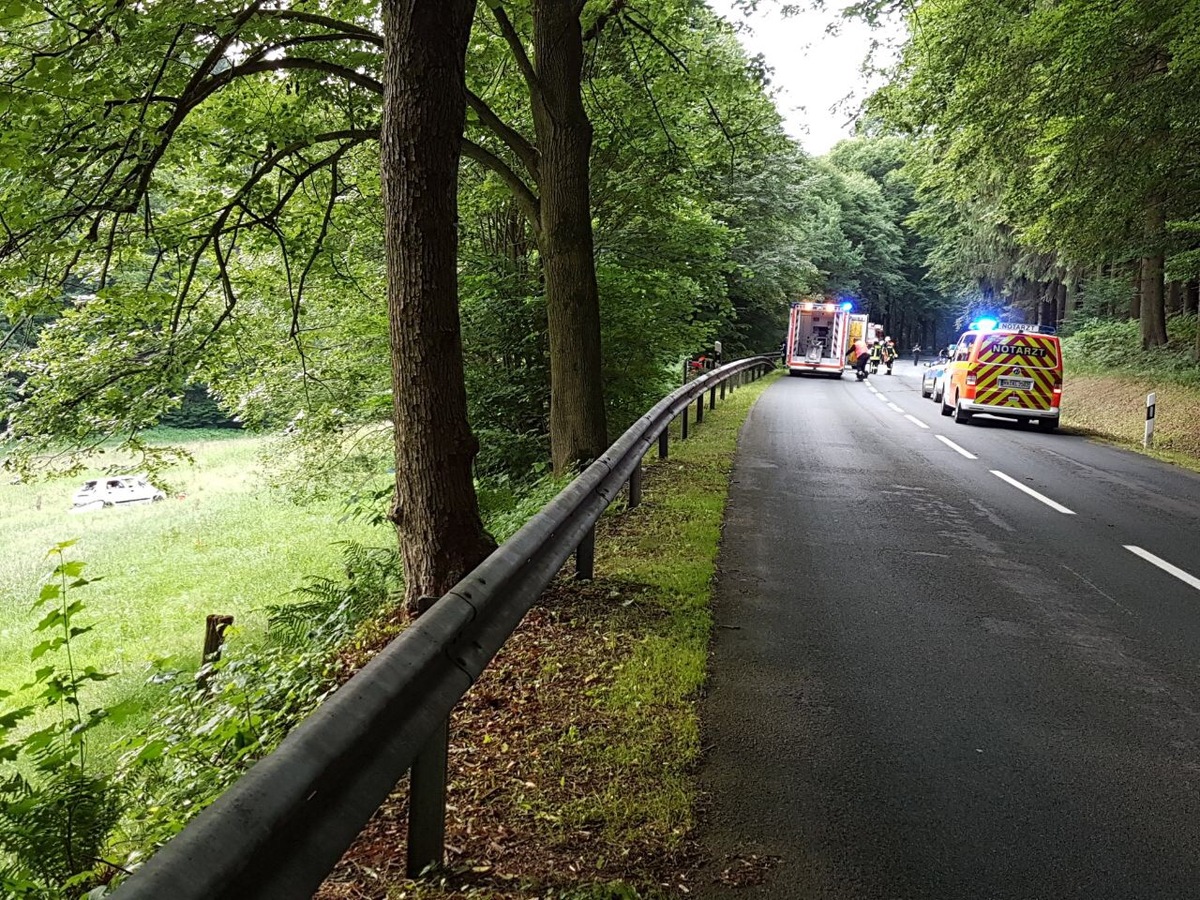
929 683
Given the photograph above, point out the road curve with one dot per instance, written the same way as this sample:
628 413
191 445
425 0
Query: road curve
950 661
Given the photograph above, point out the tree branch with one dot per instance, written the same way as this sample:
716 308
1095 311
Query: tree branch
16 327
513 139
288 62
526 199
332 24
518 51
594 32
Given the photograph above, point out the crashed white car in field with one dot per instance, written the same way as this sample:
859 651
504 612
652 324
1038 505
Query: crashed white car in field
116 490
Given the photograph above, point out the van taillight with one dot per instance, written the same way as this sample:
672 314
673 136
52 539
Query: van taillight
971 379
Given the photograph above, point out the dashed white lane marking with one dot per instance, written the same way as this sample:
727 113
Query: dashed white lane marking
915 420
895 407
953 446
1165 566
872 388
881 397
1032 493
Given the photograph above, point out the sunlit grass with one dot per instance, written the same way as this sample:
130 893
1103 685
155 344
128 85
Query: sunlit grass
221 543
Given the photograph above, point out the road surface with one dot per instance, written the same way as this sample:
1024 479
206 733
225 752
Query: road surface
951 661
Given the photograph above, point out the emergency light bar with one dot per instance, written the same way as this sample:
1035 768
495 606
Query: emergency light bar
993 325
1021 326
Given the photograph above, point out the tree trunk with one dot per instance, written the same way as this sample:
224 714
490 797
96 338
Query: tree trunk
1153 312
1070 295
578 428
1060 303
1174 298
1135 302
436 511
1192 301
1044 303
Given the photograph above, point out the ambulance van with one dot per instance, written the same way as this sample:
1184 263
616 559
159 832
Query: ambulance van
1011 370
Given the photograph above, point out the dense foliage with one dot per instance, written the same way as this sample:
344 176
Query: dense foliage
1054 155
247 253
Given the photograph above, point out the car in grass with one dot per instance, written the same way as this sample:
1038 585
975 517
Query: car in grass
116 490
933 380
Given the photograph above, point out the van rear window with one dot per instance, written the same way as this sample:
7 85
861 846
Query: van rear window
1030 350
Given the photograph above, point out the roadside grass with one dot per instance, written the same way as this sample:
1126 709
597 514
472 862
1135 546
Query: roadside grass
572 760
221 543
1112 407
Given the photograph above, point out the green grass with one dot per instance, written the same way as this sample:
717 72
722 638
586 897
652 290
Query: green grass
669 545
221 543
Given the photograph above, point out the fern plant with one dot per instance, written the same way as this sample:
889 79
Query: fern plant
330 609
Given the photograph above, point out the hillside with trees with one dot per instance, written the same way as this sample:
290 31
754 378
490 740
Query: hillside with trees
1053 156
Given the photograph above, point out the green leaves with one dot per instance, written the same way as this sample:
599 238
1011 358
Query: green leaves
55 816
1050 129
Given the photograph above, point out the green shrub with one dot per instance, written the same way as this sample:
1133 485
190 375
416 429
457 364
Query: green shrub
56 814
1103 345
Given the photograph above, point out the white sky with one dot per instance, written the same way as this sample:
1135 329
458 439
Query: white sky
818 76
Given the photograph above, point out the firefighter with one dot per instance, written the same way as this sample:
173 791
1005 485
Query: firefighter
859 356
889 353
876 356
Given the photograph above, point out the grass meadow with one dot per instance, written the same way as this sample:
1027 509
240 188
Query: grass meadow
223 542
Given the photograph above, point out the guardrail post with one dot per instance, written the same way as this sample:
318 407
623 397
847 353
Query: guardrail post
687 411
635 486
722 390
712 398
585 556
700 409
427 795
663 440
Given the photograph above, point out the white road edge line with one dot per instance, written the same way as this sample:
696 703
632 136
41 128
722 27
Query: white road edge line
1165 566
872 388
1032 493
953 446
915 420
895 407
881 397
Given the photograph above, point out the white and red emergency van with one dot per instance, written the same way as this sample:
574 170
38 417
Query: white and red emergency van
818 336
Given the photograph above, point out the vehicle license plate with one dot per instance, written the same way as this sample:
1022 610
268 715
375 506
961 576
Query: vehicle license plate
1017 384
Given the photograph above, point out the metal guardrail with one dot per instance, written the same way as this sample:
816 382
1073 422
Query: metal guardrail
278 831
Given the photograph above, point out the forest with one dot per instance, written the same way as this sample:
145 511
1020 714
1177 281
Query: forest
448 252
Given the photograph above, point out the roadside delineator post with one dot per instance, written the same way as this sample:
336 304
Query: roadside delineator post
1151 403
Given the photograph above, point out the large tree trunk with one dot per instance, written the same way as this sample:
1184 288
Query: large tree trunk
578 429
436 512
1192 297
1153 312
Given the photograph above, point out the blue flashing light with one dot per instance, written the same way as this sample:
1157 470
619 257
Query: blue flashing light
984 325
847 306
